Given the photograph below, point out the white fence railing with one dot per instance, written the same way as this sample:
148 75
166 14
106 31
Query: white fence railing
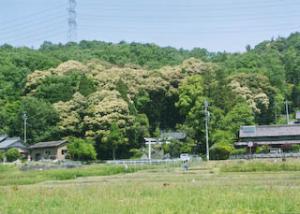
145 161
175 161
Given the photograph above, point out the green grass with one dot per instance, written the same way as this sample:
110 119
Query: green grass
205 188
261 166
11 175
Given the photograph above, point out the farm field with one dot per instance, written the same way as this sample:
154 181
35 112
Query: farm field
215 187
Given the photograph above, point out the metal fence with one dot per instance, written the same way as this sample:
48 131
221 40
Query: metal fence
46 165
144 161
176 161
266 155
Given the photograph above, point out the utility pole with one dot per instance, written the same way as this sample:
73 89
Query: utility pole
72 23
287 112
25 126
206 128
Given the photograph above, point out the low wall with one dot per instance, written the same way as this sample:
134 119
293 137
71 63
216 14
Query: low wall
266 155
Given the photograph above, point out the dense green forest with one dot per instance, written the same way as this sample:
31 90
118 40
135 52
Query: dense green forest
113 95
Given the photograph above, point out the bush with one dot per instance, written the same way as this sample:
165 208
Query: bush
175 148
136 153
295 148
1 156
82 150
12 154
221 151
239 151
262 149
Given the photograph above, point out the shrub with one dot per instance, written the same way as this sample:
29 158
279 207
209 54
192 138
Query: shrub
175 148
221 151
295 148
239 151
82 150
136 153
1 156
262 149
12 154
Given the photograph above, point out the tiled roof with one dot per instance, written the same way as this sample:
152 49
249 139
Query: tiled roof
2 137
270 131
10 142
48 144
173 135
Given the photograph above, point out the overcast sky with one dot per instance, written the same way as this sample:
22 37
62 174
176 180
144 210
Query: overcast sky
216 25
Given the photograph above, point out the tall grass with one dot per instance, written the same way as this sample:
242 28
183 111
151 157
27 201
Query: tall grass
6 168
260 166
159 191
11 175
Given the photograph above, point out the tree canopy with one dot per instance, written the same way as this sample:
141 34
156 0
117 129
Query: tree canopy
116 94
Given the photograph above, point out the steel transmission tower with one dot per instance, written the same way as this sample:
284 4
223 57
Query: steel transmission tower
72 23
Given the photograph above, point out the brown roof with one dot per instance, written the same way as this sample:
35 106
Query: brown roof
48 144
269 131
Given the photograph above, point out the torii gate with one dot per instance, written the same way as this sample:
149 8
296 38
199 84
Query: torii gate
149 142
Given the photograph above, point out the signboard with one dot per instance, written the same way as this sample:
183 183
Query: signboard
298 115
250 144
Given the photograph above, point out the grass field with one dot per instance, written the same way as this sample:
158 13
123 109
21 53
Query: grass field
215 187
11 175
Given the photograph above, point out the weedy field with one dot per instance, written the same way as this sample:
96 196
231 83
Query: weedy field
214 187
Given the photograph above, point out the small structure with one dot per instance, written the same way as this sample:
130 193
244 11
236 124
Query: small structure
165 138
7 143
297 117
150 142
53 150
277 137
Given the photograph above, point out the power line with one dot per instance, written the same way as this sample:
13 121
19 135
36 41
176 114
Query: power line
217 29
212 7
30 25
162 17
185 20
32 16
37 37
33 31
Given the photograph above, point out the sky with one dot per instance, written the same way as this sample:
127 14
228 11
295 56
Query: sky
217 25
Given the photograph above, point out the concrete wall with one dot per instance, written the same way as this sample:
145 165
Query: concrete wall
55 153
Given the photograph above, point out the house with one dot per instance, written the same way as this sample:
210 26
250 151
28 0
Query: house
277 137
53 150
169 135
7 143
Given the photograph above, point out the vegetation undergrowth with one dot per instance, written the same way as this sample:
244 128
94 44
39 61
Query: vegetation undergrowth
11 175
260 166
162 191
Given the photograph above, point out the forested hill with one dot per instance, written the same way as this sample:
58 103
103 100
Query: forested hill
116 94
